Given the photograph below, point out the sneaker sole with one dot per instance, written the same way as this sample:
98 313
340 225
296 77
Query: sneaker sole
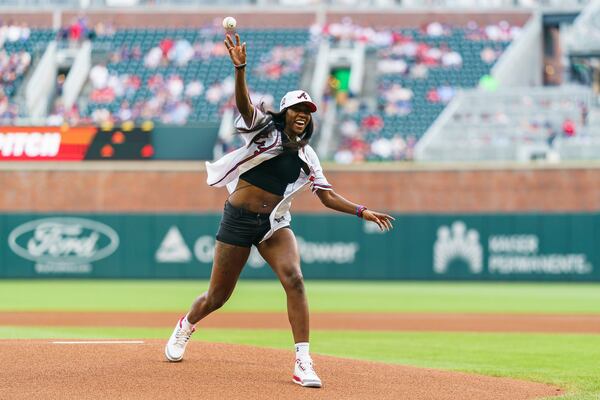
312 384
171 359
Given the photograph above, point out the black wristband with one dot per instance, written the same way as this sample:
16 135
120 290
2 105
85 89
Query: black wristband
240 66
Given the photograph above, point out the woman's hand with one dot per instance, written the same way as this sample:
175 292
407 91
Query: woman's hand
236 51
384 221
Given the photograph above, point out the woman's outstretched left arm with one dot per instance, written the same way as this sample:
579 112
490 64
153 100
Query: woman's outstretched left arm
331 199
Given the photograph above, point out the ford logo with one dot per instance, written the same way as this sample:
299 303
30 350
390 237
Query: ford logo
63 240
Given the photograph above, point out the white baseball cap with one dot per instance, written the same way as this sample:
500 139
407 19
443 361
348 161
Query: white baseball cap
295 97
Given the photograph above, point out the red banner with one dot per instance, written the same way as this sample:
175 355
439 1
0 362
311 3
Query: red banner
45 143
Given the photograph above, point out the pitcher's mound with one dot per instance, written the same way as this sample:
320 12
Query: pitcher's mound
43 369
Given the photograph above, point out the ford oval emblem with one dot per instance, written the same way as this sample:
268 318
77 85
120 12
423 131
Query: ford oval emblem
63 240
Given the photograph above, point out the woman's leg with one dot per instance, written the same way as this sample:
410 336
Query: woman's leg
228 263
229 260
281 252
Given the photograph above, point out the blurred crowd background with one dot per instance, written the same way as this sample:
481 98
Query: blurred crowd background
387 90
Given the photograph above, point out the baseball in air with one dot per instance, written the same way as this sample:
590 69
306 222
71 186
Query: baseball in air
229 23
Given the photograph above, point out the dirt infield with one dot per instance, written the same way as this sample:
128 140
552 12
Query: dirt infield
333 321
43 369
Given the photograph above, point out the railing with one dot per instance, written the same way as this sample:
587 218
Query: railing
41 83
584 35
521 63
77 74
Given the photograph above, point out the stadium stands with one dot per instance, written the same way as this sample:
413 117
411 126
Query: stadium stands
418 73
512 124
18 45
179 76
185 75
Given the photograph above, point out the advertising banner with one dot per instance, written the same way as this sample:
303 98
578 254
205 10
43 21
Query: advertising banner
524 247
63 143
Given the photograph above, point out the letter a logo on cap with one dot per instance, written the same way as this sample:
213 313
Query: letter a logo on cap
295 97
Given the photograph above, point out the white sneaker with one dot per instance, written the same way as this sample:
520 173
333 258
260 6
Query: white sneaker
176 345
305 375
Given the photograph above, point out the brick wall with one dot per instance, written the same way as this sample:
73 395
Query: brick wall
399 191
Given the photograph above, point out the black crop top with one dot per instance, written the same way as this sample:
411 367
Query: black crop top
276 173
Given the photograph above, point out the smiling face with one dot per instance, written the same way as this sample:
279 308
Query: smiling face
297 118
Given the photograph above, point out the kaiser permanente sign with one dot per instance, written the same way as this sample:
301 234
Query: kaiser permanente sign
439 247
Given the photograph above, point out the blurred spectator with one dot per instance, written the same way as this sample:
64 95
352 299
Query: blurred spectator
153 58
8 112
207 49
372 122
175 86
75 31
382 148
126 53
355 147
446 93
347 31
220 91
25 32
125 113
568 127
501 32
280 61
398 100
99 76
104 29
349 128
436 29
181 53
451 59
194 89
12 68
165 46
169 100
489 55
13 32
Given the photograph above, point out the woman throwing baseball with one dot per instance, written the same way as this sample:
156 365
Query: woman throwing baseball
262 178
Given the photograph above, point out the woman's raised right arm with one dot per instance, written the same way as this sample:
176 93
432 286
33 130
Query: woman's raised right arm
237 52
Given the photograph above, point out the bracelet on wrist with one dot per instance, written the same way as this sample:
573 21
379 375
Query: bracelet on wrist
240 66
360 210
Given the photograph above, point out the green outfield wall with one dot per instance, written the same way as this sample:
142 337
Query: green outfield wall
548 247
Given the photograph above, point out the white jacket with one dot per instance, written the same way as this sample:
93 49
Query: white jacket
227 170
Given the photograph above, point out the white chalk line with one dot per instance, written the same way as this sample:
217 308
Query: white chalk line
100 342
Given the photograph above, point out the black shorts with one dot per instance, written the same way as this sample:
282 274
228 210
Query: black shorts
241 227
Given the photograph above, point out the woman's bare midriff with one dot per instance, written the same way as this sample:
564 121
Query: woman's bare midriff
253 198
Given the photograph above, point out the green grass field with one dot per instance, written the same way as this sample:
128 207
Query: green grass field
568 360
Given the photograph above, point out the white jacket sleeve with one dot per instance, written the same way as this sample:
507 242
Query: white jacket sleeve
248 132
317 177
